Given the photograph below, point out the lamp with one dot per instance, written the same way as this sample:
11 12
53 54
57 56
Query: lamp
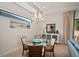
37 17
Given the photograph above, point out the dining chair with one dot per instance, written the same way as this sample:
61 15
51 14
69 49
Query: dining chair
25 47
49 47
35 51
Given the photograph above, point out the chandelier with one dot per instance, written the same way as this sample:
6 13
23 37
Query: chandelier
37 17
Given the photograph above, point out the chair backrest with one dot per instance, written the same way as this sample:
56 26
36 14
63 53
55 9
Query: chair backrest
37 36
52 41
35 51
23 39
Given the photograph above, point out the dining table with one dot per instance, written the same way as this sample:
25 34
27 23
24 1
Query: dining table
40 42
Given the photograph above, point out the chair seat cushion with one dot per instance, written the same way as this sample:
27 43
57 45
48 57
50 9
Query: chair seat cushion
48 48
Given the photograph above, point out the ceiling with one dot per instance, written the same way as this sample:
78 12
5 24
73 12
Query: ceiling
50 7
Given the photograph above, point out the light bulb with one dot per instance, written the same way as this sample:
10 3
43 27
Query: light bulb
39 15
42 19
35 15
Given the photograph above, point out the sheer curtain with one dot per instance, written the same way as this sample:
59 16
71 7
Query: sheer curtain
68 25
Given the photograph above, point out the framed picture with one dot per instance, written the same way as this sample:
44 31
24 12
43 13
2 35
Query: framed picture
14 24
50 28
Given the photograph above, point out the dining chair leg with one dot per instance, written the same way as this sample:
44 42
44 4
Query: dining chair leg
44 54
23 52
53 50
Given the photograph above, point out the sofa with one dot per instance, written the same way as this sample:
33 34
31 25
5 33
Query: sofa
73 48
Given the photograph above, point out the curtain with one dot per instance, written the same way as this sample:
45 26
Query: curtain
68 26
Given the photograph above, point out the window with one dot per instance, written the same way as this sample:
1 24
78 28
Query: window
76 29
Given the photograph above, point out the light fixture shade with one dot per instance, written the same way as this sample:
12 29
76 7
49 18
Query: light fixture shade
37 17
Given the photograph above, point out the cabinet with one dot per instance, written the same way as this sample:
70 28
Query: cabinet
49 36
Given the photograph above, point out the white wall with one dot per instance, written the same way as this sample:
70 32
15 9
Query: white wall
10 38
55 18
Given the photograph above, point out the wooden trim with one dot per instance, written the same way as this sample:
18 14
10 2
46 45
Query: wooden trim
73 23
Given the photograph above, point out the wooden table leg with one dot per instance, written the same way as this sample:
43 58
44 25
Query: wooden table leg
53 50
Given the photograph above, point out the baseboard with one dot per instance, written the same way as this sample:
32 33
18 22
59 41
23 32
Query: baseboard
4 54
